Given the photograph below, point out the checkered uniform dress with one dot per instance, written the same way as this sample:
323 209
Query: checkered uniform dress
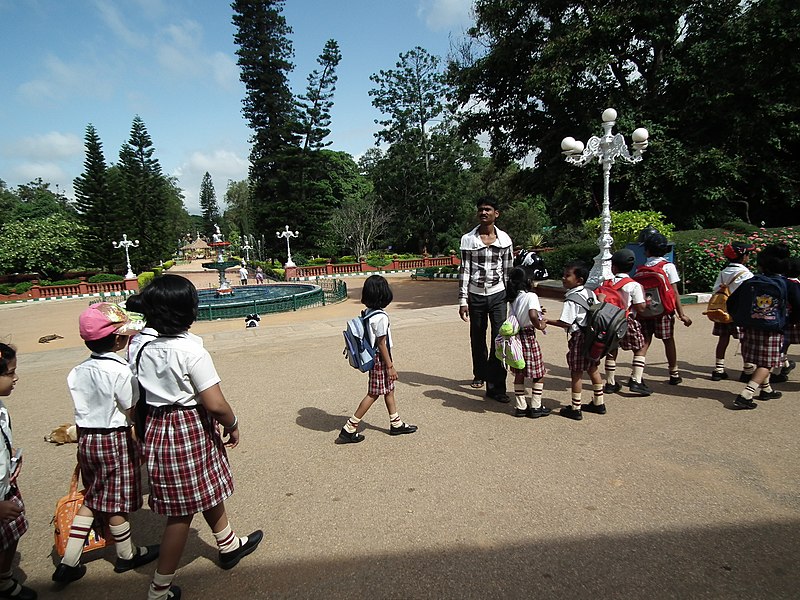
725 329
532 353
576 360
13 529
762 348
110 472
792 333
186 460
379 382
662 327
633 338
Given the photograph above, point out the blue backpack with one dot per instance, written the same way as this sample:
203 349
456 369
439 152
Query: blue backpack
760 303
357 350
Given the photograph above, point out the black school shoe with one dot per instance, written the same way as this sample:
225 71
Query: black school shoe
718 375
571 413
228 560
501 397
788 369
20 592
141 558
66 574
535 413
639 388
404 428
743 403
349 438
598 409
612 388
773 395
745 377
174 593
675 380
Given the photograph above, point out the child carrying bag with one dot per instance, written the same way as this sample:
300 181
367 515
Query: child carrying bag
717 310
66 509
507 345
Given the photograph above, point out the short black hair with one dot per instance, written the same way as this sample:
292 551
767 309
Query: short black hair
170 304
488 201
105 344
774 259
376 292
580 268
134 303
7 354
656 245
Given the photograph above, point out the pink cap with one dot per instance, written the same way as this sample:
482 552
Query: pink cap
103 319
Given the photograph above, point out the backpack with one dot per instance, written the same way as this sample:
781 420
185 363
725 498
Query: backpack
66 509
529 258
760 303
717 310
507 345
612 292
356 348
606 325
659 296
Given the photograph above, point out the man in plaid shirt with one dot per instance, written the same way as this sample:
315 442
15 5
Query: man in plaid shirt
486 259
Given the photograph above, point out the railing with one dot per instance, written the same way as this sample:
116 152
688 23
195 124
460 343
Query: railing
329 269
79 289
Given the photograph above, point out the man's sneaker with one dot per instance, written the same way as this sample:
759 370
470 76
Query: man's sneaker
143 556
718 375
675 379
741 402
571 413
778 378
404 428
598 409
773 395
66 574
228 560
349 438
612 388
789 368
639 388
521 412
745 377
535 413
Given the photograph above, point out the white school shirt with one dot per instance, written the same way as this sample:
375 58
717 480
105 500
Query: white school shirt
670 270
522 305
733 275
632 291
174 369
376 327
572 312
147 334
102 387
5 454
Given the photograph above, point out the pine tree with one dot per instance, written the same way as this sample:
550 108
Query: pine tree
208 203
315 118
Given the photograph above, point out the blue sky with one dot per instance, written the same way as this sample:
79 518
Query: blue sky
67 63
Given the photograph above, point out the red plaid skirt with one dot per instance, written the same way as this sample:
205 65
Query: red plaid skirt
379 382
633 338
725 329
110 471
576 361
792 333
186 461
532 353
13 529
762 348
663 327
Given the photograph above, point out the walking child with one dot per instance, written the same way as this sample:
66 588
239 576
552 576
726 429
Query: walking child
13 523
573 318
526 308
376 295
632 295
186 457
104 392
663 326
732 276
759 306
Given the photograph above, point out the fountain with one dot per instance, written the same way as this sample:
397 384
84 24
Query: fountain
220 247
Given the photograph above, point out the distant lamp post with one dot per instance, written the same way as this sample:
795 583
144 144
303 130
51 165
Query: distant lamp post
246 247
127 244
288 234
606 149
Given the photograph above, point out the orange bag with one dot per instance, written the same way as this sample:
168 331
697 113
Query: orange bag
66 509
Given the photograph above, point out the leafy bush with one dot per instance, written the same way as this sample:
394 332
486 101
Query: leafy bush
279 274
6 289
565 235
157 271
348 259
23 287
299 258
169 264
320 260
626 225
378 261
145 279
62 282
740 227
555 259
105 278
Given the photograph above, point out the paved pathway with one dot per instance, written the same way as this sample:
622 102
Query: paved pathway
674 496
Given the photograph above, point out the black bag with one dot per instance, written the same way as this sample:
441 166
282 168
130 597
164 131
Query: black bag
606 325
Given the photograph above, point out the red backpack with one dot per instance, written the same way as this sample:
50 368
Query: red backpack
659 296
612 292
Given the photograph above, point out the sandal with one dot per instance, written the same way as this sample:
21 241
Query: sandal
476 383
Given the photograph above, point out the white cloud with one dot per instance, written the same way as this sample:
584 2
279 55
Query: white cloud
116 22
445 14
59 79
49 146
50 172
222 165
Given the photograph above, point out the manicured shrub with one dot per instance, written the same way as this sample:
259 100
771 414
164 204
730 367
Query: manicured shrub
105 278
555 259
145 279
23 287
626 225
740 227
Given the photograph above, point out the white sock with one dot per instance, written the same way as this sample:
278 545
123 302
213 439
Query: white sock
80 528
536 394
159 587
352 424
638 368
719 366
227 540
611 369
395 420
122 540
597 389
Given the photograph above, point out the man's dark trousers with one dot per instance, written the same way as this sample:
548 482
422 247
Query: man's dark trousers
485 366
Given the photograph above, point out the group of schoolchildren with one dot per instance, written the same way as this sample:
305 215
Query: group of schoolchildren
170 389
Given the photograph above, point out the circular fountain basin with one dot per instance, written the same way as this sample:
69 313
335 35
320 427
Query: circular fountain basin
259 299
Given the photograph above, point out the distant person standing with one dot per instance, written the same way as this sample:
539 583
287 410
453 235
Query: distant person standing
486 260
259 275
243 274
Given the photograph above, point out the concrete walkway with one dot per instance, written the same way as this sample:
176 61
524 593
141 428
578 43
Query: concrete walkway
672 496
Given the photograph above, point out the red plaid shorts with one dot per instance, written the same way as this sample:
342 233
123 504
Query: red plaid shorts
633 338
379 382
532 353
110 472
762 348
725 329
186 461
13 529
576 360
663 327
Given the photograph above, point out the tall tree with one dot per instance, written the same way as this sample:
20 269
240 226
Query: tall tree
93 202
208 203
316 104
237 200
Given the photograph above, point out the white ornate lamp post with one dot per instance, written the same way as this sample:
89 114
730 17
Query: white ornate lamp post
288 234
606 149
126 244
246 247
